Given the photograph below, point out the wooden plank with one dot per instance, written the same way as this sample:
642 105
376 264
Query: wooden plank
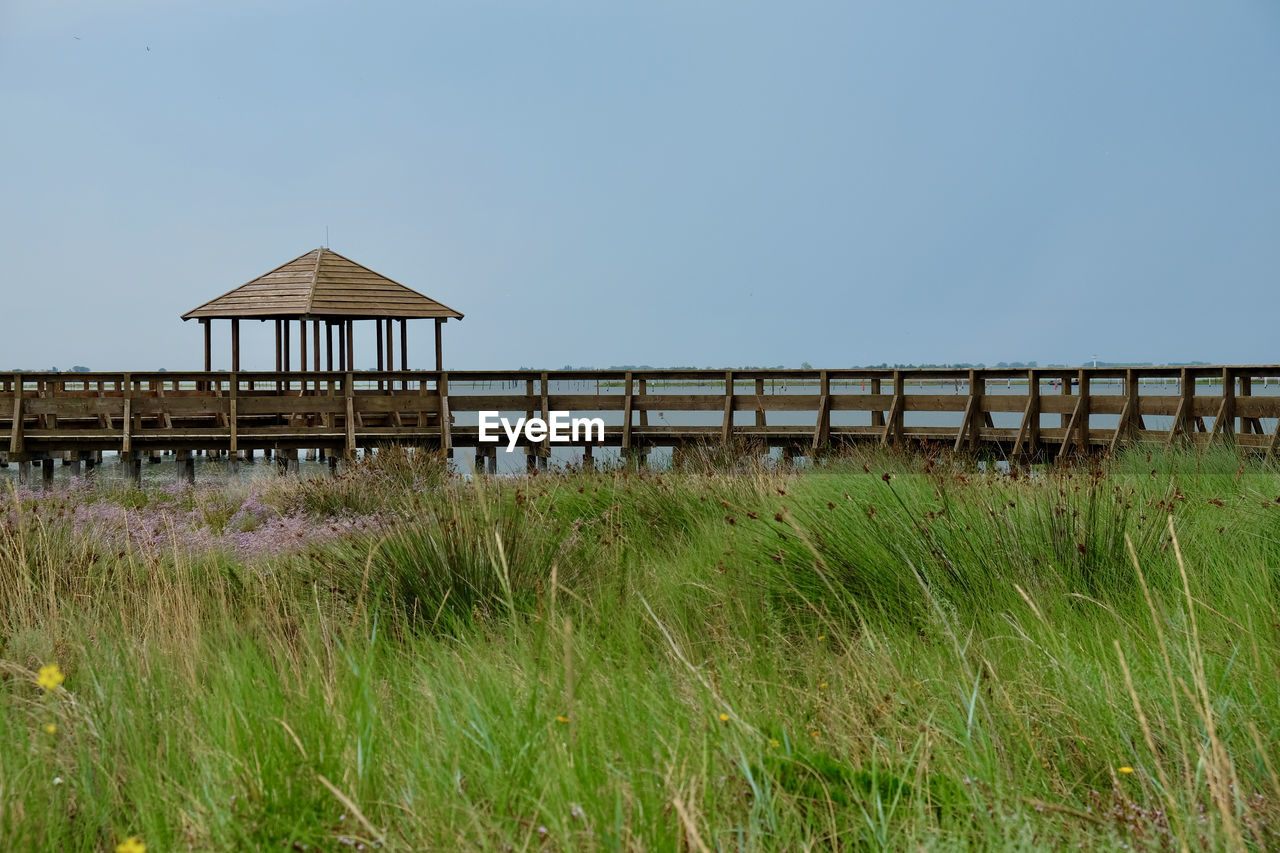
348 387
1122 428
1179 420
893 427
626 414
446 428
546 412
1275 439
1073 425
15 430
891 430
233 416
964 433
822 429
1224 417
126 440
726 426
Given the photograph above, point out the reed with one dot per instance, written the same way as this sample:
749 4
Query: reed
877 652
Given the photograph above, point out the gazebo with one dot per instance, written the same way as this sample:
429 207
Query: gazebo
323 287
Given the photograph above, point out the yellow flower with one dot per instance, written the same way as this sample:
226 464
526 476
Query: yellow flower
724 718
1125 769
774 743
50 677
823 684
822 637
562 719
132 844
50 729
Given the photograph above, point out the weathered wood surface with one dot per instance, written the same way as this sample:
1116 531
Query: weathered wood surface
1046 412
322 284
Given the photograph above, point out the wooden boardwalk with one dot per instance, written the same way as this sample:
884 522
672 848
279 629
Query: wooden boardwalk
1036 414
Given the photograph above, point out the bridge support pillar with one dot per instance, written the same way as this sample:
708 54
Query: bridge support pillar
91 460
678 455
74 460
588 460
186 466
132 465
333 464
487 459
24 472
46 472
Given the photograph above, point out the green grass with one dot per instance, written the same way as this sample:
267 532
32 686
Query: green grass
877 653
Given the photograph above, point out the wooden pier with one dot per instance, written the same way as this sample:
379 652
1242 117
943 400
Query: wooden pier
1038 414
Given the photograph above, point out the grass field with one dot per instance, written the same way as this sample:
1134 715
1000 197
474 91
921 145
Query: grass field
877 653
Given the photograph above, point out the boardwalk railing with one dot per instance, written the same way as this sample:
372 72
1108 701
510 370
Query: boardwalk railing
1037 413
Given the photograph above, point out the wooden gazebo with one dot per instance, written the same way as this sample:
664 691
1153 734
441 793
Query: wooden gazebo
323 287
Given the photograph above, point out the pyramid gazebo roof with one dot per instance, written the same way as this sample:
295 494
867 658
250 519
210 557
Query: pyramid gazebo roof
322 285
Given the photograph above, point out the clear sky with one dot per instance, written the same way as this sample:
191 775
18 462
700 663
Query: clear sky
666 183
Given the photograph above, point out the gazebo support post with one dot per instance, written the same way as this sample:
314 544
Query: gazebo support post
377 326
235 346
285 347
315 346
208 345
391 354
439 345
328 345
208 351
351 346
279 361
404 353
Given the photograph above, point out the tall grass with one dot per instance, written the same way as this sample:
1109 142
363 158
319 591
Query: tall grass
878 653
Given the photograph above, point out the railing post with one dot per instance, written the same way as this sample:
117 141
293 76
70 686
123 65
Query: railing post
1246 390
1030 415
877 415
822 430
1224 420
1182 423
126 440
348 387
627 402
1086 402
233 394
726 428
16 441
544 452
893 429
446 429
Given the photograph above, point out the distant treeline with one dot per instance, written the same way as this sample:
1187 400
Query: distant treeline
884 365
804 365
